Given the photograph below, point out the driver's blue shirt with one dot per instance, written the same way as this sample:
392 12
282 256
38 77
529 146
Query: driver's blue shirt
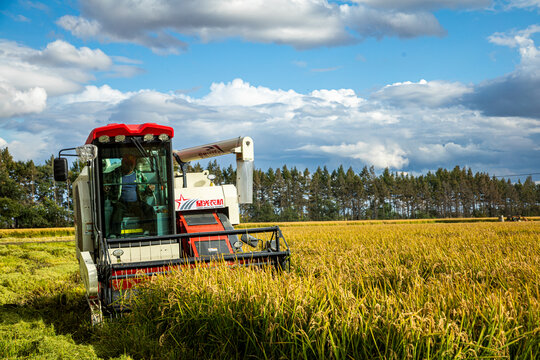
129 188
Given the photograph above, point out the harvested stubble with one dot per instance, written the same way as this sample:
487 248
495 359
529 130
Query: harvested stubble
415 291
42 305
7 234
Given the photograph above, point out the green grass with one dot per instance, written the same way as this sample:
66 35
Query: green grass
400 291
31 269
43 311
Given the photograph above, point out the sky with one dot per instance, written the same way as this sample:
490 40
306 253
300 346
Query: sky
409 85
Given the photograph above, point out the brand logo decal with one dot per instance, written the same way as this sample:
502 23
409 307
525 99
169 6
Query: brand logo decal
192 204
211 150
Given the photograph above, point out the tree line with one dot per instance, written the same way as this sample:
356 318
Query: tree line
287 194
29 197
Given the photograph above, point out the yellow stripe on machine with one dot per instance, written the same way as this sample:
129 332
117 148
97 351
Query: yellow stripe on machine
131 231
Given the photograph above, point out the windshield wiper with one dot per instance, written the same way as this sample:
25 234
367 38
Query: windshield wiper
144 153
140 147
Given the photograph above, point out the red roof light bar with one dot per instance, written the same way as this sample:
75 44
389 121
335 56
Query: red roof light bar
112 130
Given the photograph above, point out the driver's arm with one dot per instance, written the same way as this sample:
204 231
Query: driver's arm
146 189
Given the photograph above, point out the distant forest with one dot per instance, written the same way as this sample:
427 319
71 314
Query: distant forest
29 197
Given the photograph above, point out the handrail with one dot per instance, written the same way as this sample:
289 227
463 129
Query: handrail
130 241
194 260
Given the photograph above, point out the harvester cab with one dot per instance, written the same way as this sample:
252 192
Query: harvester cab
135 216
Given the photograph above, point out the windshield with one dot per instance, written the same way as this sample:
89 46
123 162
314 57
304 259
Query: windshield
135 189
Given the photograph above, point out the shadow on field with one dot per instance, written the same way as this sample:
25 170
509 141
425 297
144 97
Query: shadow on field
68 315
58 304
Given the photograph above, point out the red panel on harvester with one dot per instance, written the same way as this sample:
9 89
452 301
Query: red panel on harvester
197 222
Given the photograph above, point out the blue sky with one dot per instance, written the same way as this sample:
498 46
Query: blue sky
412 85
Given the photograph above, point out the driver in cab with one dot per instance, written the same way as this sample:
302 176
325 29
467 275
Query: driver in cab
127 196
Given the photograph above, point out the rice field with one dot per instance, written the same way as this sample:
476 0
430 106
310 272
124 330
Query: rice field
385 291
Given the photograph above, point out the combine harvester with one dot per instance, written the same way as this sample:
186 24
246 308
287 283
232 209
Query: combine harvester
135 217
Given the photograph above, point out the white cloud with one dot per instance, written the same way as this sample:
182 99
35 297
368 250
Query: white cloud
30 77
24 76
530 54
60 54
523 3
376 154
34 5
369 22
92 93
31 146
299 23
380 116
517 93
24 68
80 27
325 126
18 17
240 93
14 102
3 143
346 97
161 43
427 4
423 93
448 151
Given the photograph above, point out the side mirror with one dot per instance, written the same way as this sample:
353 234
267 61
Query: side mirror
60 169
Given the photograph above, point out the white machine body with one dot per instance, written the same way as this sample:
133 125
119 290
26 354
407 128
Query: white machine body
198 193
